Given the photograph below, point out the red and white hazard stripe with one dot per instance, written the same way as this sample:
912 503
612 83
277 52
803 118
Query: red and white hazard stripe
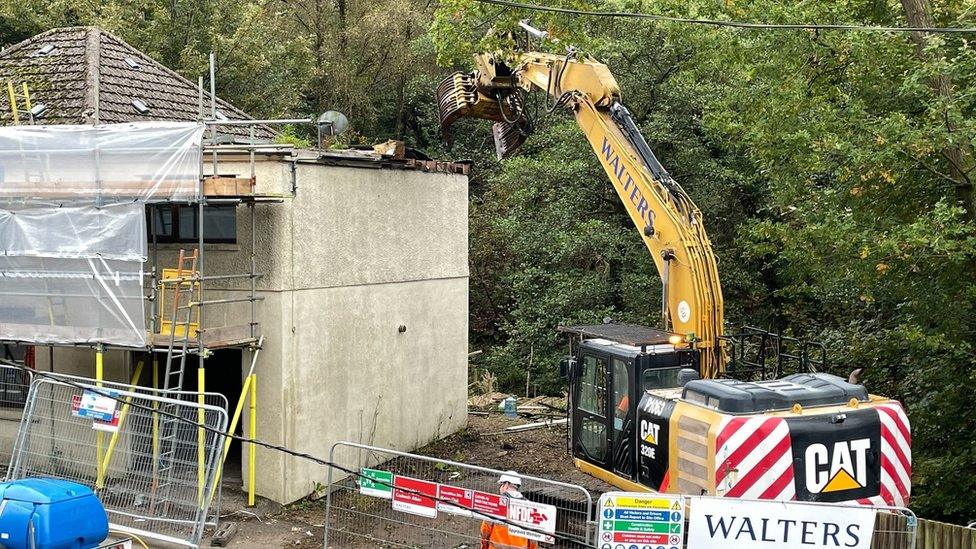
896 457
754 459
896 454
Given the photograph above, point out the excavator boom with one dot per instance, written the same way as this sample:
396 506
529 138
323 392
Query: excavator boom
669 222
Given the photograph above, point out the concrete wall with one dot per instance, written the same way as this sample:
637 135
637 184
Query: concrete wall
370 251
354 255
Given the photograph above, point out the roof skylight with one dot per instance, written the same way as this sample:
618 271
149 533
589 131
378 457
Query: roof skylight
140 106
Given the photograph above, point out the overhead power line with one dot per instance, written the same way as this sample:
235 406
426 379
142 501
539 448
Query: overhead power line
732 24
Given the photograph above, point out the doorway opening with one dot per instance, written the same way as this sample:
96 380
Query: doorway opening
223 370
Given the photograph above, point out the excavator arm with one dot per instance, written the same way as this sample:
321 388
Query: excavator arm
668 221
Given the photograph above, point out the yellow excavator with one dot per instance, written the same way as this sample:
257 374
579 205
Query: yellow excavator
654 409
670 223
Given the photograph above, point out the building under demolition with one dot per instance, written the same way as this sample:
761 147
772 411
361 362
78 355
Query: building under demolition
153 226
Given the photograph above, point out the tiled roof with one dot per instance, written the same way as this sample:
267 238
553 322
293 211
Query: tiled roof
86 66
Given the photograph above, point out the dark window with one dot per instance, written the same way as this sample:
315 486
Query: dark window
593 438
593 386
178 223
14 383
660 378
621 393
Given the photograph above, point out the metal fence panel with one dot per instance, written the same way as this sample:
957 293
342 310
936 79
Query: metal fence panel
147 473
14 386
210 399
355 519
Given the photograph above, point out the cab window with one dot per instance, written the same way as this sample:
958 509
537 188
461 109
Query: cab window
593 437
621 392
659 378
593 386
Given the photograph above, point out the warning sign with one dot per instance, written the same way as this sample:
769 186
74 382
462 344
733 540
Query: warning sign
104 417
490 504
97 406
525 518
460 496
539 517
657 520
414 496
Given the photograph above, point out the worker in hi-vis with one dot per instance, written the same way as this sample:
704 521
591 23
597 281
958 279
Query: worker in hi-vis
494 535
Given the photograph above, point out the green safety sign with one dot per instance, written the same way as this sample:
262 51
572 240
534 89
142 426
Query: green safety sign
641 520
376 483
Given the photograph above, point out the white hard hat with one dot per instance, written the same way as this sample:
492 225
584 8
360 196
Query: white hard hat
510 477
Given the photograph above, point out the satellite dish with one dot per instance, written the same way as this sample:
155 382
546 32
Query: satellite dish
332 123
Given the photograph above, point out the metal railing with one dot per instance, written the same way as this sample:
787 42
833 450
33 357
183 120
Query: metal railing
14 389
372 514
210 399
144 492
757 354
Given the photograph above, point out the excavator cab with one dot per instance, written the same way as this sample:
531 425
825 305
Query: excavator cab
612 366
643 420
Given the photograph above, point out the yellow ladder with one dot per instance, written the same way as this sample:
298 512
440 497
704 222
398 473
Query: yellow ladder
16 96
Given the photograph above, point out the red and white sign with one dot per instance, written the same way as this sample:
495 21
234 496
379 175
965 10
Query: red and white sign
419 500
490 504
540 517
461 496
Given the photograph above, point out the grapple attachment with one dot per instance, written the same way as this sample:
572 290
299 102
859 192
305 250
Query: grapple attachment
509 136
458 96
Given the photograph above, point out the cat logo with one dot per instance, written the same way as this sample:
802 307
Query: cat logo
843 467
649 431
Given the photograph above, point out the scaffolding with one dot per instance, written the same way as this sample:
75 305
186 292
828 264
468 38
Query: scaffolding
189 301
179 303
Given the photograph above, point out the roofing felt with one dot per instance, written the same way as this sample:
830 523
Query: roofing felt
72 69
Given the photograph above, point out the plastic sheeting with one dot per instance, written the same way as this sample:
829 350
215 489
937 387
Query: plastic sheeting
76 301
73 274
72 248
148 161
114 231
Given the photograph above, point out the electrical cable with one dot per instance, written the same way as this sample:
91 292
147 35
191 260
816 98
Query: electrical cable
270 446
732 24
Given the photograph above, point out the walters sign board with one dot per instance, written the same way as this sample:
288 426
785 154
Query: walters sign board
728 523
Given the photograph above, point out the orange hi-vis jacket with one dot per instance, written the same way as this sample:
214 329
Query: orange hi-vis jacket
495 535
